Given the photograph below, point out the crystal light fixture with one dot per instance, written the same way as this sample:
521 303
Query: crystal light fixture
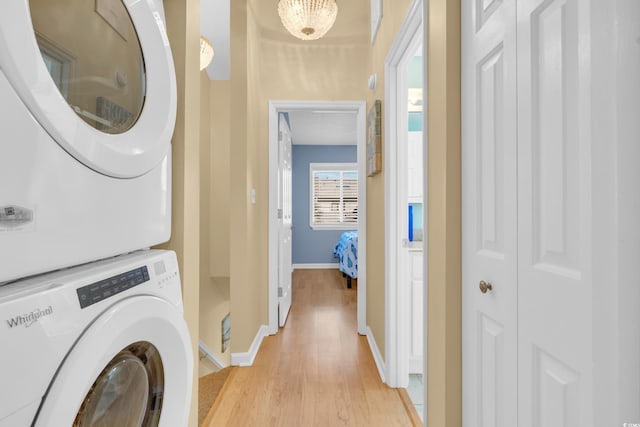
308 19
206 53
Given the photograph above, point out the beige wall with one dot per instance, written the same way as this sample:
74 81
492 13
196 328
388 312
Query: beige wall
270 70
290 70
183 27
219 173
215 220
245 295
214 214
278 69
393 14
444 321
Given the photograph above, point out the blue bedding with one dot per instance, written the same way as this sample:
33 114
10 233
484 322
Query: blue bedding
346 251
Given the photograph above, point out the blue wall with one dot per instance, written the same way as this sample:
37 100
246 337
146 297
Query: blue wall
313 246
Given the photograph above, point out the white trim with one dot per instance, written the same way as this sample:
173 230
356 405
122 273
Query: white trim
396 320
320 266
425 186
375 352
212 357
359 107
246 359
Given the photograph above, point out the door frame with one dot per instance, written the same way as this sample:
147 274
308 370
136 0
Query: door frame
358 107
411 32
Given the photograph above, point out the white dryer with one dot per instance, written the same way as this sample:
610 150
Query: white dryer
87 111
104 344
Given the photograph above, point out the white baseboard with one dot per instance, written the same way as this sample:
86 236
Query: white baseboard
325 266
377 357
246 359
212 357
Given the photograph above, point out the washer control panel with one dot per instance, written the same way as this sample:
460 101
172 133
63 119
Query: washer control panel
99 291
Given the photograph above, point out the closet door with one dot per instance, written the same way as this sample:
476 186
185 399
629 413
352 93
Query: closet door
489 213
555 304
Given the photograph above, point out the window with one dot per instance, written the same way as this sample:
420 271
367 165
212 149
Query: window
57 61
333 195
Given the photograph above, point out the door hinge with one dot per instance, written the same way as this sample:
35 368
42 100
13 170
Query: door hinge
280 291
280 135
279 213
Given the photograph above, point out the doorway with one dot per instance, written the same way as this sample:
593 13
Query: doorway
276 108
405 234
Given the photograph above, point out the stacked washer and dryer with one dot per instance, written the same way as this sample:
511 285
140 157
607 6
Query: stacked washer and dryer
91 320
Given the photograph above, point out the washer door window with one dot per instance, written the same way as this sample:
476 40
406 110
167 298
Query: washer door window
128 392
97 75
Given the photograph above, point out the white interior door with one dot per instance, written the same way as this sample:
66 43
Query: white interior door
489 214
284 219
555 307
527 203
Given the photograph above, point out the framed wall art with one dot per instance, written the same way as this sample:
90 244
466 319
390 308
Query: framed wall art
374 139
226 332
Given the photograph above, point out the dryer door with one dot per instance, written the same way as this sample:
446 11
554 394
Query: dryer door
131 367
97 75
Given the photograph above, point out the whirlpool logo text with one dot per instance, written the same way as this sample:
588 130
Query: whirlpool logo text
29 319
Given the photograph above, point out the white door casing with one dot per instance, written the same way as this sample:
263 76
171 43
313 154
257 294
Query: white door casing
622 207
489 211
284 219
359 108
398 298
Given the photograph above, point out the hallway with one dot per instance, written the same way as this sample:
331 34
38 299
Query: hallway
316 371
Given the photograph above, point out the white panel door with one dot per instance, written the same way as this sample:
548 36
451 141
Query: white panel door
554 205
489 214
284 219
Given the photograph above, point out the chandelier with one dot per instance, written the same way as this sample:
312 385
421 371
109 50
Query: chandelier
308 19
206 53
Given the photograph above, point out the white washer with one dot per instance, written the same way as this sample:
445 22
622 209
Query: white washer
103 344
87 111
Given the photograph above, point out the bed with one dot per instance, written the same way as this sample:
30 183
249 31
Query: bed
346 251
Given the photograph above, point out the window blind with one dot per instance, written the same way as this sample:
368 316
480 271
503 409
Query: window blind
334 197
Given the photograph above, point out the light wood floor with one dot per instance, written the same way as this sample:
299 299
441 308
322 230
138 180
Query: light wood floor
317 371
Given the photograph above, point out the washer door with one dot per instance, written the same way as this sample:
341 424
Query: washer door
131 368
97 75
128 392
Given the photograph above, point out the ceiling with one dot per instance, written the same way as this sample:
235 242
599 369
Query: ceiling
351 27
215 19
323 127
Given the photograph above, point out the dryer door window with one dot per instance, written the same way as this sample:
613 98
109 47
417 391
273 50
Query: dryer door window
92 51
97 75
128 392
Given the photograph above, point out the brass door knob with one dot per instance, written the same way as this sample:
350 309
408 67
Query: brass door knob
485 286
